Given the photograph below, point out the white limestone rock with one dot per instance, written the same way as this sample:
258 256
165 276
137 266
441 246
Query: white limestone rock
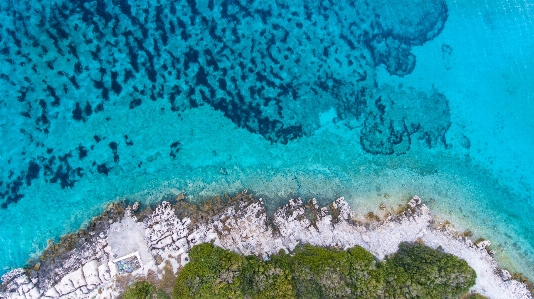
505 275
484 244
104 272
65 286
33 293
90 272
52 293
344 210
9 276
84 290
366 238
26 287
77 278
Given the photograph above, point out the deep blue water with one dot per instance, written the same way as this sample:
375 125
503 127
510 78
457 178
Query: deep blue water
372 100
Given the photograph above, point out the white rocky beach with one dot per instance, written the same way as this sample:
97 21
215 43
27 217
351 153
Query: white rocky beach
149 242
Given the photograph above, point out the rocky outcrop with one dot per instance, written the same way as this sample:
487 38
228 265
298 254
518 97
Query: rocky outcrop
241 224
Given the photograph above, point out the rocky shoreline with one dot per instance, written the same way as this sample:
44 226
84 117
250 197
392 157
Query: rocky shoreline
82 264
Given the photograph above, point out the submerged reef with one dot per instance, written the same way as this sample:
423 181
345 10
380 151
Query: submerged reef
270 68
233 247
395 118
245 59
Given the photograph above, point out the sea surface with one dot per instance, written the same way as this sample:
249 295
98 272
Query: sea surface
374 100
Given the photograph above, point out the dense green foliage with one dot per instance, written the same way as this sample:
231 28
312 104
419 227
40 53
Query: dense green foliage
423 272
143 290
415 271
212 273
139 290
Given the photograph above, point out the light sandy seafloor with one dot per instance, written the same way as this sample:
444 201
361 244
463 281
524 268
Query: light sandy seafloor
242 225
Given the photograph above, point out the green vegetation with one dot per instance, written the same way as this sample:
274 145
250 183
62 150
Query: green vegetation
144 290
423 272
414 271
213 273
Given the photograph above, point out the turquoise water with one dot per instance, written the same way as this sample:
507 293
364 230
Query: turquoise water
372 100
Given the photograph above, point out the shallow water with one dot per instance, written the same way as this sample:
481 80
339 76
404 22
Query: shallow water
375 101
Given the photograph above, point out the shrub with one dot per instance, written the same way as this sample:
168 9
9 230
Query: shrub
414 271
269 279
321 272
161 295
212 273
139 290
418 271
144 290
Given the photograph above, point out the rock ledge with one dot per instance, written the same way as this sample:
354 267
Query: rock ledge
165 235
